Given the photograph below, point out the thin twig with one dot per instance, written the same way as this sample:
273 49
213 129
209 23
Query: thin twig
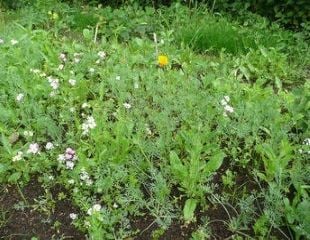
155 41
21 194
96 32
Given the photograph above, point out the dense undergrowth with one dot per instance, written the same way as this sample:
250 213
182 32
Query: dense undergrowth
223 125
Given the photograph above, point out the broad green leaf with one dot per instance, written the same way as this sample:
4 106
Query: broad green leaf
189 209
14 177
177 167
214 163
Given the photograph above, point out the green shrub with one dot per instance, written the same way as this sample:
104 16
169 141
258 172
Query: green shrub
287 12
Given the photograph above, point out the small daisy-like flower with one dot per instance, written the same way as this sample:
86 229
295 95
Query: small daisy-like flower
1 41
18 156
127 105
19 97
55 84
63 57
95 208
33 148
89 182
72 82
36 71
70 165
43 74
162 60
91 70
88 124
28 133
61 67
148 131
228 109
52 94
101 54
14 42
118 78
61 158
227 99
71 181
136 85
307 141
115 205
76 60
73 216
49 146
85 105
72 109
50 177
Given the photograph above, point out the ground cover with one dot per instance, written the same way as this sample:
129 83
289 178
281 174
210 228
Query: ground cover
132 123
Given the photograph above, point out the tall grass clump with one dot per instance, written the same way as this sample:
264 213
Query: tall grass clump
208 32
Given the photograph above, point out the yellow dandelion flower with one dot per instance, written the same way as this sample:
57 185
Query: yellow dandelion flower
162 60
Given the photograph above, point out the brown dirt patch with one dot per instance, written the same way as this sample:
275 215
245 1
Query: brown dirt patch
20 221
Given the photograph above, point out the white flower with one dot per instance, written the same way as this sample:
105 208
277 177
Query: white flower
223 102
52 94
118 78
70 165
36 71
93 209
88 124
71 181
72 109
49 146
19 97
63 57
72 82
228 109
61 158
85 105
76 60
91 122
91 70
98 61
227 99
18 156
127 105
84 175
1 41
73 216
102 54
43 74
307 141
50 177
61 67
88 182
97 207
54 82
136 85
115 205
14 41
148 131
33 148
28 133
